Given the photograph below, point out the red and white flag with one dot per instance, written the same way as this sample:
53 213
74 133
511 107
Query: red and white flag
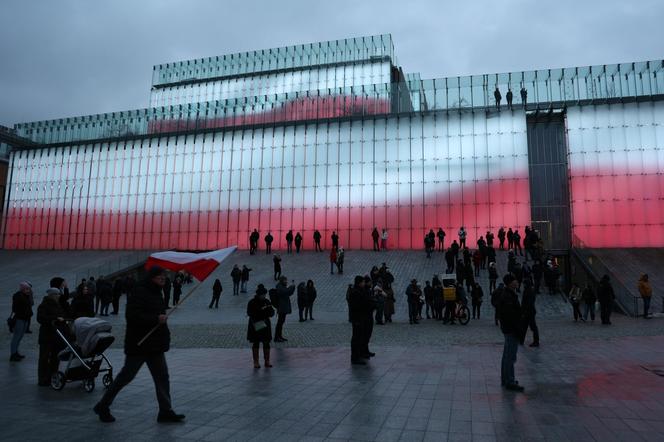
199 265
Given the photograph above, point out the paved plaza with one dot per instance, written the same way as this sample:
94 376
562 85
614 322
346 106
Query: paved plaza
428 382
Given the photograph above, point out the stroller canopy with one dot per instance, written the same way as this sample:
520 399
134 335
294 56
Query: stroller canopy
88 332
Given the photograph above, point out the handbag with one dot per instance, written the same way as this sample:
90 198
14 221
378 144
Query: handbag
11 322
259 325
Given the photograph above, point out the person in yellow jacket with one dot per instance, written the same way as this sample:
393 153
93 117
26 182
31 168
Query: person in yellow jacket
645 289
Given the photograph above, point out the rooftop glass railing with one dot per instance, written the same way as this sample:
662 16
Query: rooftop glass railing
275 59
542 89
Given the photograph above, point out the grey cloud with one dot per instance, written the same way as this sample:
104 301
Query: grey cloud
76 57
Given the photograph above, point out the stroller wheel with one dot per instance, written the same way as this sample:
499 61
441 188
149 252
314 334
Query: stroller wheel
58 381
107 380
89 385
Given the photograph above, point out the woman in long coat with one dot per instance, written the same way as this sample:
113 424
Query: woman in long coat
259 329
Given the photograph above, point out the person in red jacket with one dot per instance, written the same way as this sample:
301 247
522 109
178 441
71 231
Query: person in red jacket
333 259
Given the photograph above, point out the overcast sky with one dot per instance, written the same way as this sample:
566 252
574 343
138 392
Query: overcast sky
69 57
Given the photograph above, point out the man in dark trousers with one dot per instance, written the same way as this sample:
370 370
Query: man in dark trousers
497 96
375 236
529 310
145 310
289 242
441 239
236 276
509 97
298 242
335 240
510 239
605 296
268 243
253 241
50 315
501 239
283 294
166 289
358 308
509 312
317 237
244 278
524 96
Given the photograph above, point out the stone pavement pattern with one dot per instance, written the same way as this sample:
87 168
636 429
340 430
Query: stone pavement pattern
584 390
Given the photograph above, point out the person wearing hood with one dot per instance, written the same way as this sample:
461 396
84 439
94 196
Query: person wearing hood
21 314
50 315
645 290
145 310
259 329
605 296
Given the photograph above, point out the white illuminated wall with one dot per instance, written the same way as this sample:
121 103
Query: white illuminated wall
616 158
406 174
323 78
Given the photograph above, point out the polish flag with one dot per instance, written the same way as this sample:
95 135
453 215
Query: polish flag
199 265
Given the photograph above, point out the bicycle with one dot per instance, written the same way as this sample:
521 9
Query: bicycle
462 313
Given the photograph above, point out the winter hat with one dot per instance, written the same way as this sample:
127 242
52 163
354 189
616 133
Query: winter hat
25 285
52 291
56 282
155 271
508 279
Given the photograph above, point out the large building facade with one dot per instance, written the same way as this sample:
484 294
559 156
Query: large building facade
335 136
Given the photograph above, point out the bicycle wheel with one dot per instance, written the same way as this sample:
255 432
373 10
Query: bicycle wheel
463 315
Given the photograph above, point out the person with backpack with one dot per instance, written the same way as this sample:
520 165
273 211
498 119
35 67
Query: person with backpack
236 277
259 329
216 293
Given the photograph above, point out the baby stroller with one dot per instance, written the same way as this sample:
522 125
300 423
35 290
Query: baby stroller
84 355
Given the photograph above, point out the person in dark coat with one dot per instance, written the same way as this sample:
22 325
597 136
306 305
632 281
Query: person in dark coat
117 293
65 298
449 259
509 96
166 289
268 243
244 278
497 96
311 297
283 294
177 290
276 260
298 242
236 276
441 239
259 329
335 240
333 259
605 296
537 271
289 242
216 293
509 310
510 239
529 311
589 300
476 295
455 247
83 304
317 238
524 96
358 308
105 292
413 294
341 256
145 311
302 300
253 242
49 315
516 242
501 238
21 312
375 236
493 276
428 299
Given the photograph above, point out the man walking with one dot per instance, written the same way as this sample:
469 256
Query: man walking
145 310
236 276
509 311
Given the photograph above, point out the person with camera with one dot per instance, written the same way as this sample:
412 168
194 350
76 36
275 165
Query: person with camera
18 321
259 330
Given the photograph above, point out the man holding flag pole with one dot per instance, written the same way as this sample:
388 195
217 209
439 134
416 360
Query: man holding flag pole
147 337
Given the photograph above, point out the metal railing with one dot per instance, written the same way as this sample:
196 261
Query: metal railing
629 303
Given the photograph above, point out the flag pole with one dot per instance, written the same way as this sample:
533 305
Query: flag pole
168 313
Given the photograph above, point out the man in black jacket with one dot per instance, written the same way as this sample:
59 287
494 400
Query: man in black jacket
509 311
317 237
529 311
605 296
145 310
359 307
49 315
22 311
